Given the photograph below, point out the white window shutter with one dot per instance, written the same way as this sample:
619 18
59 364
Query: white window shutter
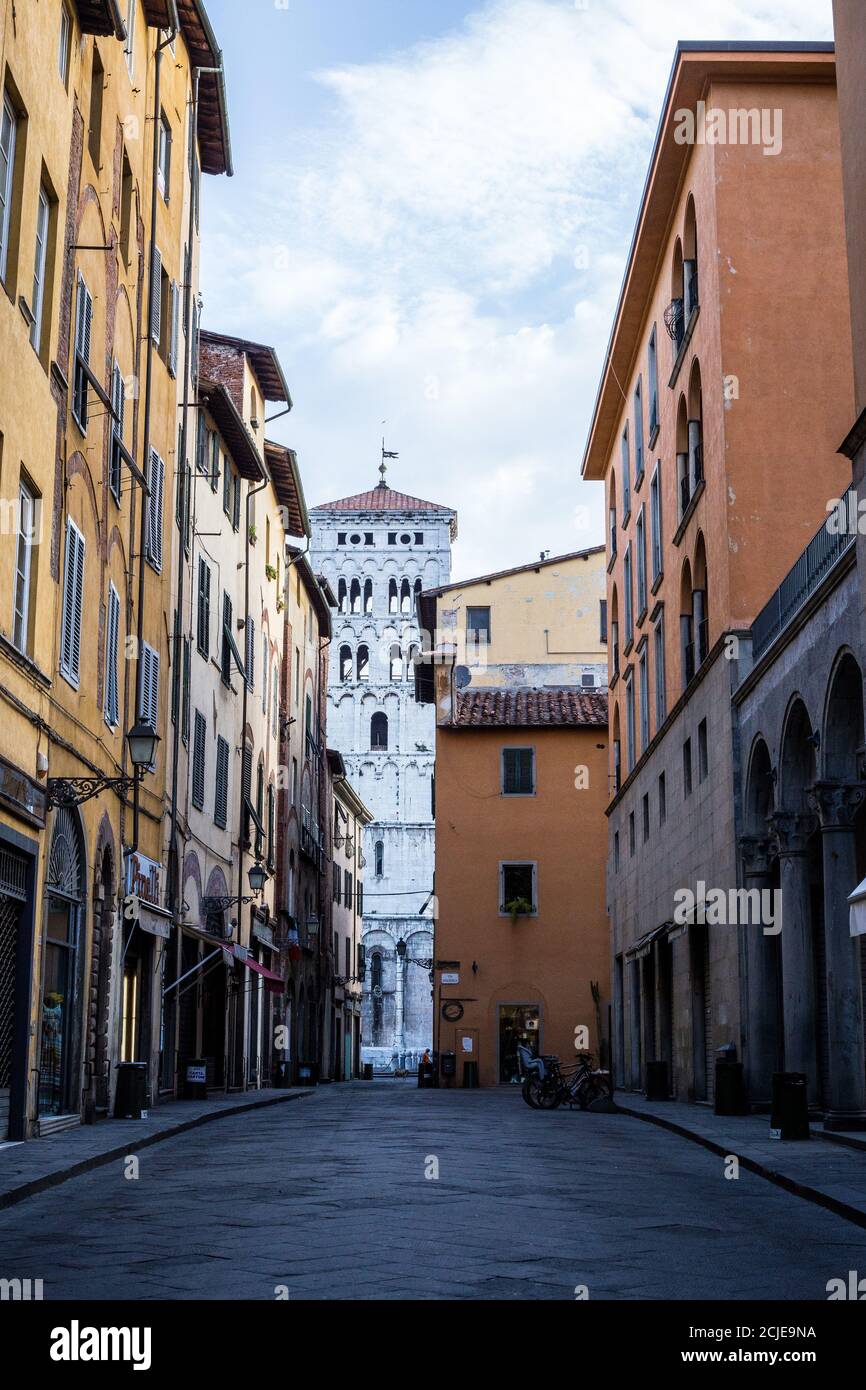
73 603
111 642
156 482
156 288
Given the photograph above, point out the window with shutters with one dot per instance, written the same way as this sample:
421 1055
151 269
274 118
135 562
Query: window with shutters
155 482
27 537
198 760
226 650
163 177
265 672
236 502
246 790
250 654
118 405
203 608
185 691
37 301
148 687
73 603
227 489
8 131
336 883
272 825
201 453
347 888
175 327
518 772
83 328
275 700
221 795
156 297
112 641
214 461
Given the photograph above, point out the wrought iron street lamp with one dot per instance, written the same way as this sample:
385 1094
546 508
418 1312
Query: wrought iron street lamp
258 877
142 742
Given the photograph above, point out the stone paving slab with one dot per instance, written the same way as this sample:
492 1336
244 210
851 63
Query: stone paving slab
832 1174
28 1168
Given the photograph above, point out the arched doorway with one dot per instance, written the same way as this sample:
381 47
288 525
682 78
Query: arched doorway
60 1034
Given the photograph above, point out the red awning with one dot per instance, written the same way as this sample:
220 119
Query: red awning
273 982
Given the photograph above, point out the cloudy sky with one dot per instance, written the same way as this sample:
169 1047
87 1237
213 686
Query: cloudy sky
429 219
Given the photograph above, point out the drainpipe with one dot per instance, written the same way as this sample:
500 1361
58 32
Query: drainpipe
170 36
174 885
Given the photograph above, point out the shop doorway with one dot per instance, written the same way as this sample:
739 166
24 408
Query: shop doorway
59 1053
13 943
518 1024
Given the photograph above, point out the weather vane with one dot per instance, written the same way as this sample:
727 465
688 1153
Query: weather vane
386 454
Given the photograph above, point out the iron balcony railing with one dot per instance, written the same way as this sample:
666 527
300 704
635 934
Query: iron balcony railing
820 556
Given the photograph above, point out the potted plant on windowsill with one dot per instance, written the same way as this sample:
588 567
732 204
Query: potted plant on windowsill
271 571
518 907
253 533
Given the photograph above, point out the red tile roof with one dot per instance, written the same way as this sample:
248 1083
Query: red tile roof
525 707
381 499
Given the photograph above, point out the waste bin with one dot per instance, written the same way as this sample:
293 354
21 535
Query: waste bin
194 1079
308 1073
448 1065
789 1116
130 1098
658 1081
368 1071
426 1074
470 1076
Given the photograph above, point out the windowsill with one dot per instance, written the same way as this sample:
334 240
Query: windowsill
657 611
20 658
689 512
611 562
628 646
657 582
641 616
684 346
521 916
518 796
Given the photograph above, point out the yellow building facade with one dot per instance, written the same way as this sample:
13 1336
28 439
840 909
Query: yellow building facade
100 168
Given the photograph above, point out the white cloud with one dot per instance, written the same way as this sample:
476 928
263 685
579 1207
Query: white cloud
419 261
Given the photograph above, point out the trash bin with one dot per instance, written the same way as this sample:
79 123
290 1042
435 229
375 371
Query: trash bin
426 1074
789 1116
658 1081
195 1079
368 1071
470 1076
130 1098
308 1073
448 1065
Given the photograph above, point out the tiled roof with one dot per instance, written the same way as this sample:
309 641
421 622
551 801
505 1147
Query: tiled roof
381 499
531 707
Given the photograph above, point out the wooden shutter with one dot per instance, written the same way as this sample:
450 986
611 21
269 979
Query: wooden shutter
111 641
73 602
203 607
156 481
118 405
251 654
184 713
222 784
156 292
226 649
175 327
198 760
148 691
83 330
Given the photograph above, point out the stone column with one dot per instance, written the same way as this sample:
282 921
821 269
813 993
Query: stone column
760 1056
836 805
790 832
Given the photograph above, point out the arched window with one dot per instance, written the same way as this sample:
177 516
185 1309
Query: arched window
700 609
376 995
355 596
419 588
380 858
405 597
368 595
675 320
690 263
345 663
684 482
696 427
342 596
617 750
393 599
414 654
379 730
363 663
687 628
614 633
396 662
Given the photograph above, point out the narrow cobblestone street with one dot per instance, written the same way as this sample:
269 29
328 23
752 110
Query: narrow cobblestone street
329 1198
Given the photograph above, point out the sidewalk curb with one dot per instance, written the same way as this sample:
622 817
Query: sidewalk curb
809 1194
86 1165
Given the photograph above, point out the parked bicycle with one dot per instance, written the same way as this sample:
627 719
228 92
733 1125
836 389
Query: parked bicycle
547 1084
